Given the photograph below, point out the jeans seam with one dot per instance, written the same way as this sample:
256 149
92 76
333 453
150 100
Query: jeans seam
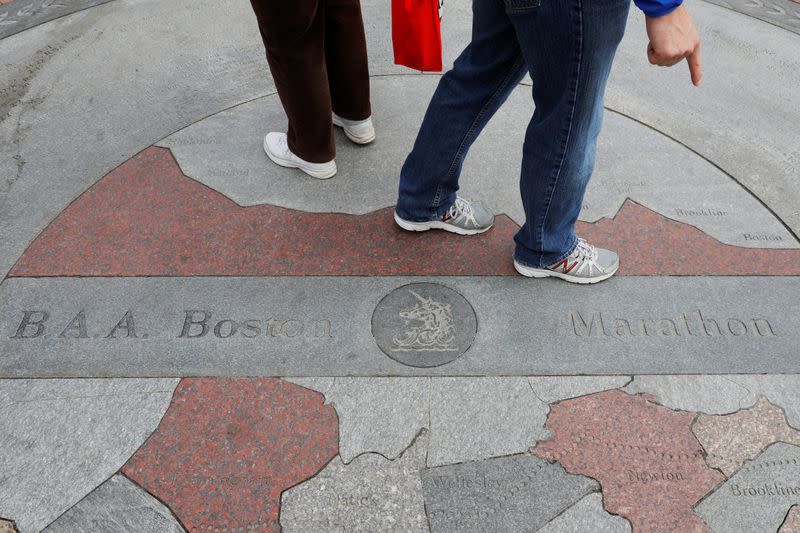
559 258
569 127
568 252
471 129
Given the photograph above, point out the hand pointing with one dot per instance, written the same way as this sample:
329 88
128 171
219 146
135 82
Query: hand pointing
674 38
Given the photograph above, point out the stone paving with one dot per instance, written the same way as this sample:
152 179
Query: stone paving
192 339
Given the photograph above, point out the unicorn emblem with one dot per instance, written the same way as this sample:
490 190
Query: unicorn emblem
434 329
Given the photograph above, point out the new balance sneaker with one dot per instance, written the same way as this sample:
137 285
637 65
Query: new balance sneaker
358 131
463 217
277 148
586 264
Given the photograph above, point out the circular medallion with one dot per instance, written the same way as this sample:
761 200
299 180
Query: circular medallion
424 325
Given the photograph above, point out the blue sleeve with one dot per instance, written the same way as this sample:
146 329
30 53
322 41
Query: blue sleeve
658 8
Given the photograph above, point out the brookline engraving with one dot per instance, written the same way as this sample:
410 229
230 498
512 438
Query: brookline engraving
703 212
436 331
766 489
693 324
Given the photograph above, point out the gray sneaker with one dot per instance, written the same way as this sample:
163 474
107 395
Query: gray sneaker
463 217
586 264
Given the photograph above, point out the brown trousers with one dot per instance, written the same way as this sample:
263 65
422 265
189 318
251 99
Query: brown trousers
317 52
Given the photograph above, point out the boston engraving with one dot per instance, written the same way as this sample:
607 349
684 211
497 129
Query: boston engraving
192 324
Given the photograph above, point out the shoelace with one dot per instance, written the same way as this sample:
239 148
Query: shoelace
587 254
462 208
586 250
283 143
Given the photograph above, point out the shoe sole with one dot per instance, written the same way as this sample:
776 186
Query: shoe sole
545 273
318 174
354 138
436 224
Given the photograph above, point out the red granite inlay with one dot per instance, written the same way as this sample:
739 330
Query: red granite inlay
227 447
146 218
792 522
650 244
645 457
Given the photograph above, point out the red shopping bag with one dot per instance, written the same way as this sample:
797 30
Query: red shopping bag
416 34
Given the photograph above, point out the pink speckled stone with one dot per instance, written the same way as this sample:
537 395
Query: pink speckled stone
650 244
792 522
228 447
649 464
730 440
145 218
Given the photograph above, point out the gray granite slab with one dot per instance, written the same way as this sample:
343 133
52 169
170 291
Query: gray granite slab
323 385
587 515
477 418
514 493
756 498
782 13
63 438
550 389
369 494
467 418
299 327
142 69
83 93
722 394
744 116
380 415
224 152
117 506
23 14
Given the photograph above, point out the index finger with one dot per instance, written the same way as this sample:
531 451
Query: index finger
694 66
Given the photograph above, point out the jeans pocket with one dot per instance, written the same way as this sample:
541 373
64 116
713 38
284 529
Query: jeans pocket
521 6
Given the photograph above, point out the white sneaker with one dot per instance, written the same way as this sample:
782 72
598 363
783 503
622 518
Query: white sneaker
586 264
463 217
277 148
358 131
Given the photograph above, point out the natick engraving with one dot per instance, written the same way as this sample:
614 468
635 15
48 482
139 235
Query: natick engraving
432 327
691 324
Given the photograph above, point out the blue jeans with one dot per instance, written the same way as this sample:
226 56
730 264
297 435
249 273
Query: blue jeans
567 46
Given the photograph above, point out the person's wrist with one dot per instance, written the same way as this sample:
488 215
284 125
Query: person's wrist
661 14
